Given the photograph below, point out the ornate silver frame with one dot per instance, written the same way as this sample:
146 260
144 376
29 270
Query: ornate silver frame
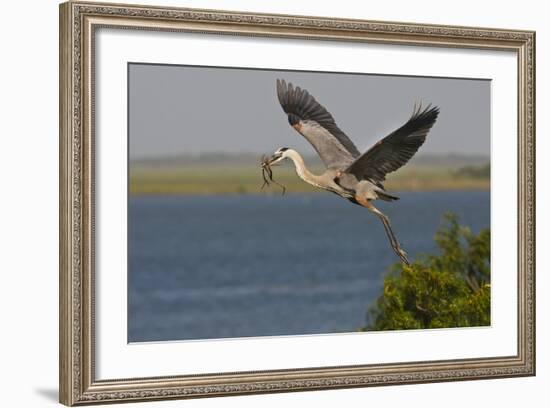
78 22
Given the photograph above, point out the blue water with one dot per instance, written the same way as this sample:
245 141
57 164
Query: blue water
239 266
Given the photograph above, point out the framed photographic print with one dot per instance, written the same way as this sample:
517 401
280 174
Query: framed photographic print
256 203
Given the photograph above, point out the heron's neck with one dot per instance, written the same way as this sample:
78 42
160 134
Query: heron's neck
302 170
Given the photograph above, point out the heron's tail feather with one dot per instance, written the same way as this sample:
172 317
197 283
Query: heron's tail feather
382 195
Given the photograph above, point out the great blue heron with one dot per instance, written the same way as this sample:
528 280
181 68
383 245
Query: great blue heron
354 176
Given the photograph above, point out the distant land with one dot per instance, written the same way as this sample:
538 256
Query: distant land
246 159
226 173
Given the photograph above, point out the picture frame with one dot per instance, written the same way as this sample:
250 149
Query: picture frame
79 25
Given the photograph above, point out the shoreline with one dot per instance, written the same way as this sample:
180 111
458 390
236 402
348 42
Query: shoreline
143 193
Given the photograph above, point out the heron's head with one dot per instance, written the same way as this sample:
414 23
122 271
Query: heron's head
277 157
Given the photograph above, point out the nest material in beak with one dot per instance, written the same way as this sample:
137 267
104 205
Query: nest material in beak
267 174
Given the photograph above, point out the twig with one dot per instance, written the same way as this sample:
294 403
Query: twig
267 175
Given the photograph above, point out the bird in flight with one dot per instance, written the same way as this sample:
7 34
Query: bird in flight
350 174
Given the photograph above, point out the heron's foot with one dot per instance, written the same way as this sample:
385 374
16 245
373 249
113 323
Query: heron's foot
402 255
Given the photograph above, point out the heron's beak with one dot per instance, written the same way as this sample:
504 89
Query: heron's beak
275 159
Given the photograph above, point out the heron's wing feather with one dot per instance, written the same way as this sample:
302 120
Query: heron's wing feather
318 126
396 149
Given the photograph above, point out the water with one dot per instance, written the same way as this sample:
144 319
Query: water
239 266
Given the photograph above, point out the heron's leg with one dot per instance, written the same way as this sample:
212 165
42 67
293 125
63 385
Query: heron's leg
387 227
393 240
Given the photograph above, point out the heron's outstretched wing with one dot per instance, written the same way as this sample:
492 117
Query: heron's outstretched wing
396 149
317 125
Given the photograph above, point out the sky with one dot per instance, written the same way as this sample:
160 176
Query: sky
176 109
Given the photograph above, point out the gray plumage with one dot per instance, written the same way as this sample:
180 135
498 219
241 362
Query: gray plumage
318 126
396 149
354 176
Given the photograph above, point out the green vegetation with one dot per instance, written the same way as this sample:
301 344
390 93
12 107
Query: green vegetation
452 289
475 172
205 181
240 174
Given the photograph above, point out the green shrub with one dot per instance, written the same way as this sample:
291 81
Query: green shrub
452 289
